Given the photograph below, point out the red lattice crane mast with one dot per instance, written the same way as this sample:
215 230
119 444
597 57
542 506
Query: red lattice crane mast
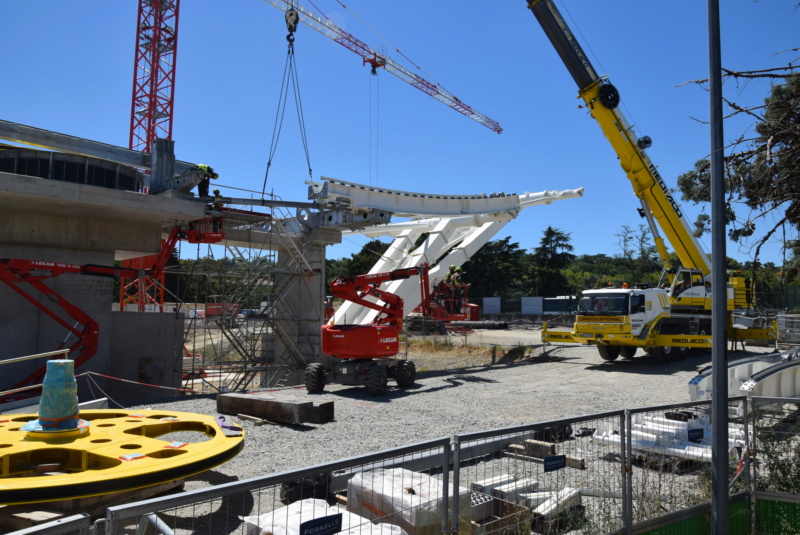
377 60
151 117
154 72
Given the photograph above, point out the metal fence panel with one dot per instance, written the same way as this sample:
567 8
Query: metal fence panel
72 525
374 494
776 470
550 477
670 455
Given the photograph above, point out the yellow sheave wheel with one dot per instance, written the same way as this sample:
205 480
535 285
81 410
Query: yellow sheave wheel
122 451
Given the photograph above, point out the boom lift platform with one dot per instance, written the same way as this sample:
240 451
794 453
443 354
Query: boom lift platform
366 350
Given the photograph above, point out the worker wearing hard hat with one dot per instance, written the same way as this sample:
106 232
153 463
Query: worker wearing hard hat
450 280
207 172
449 276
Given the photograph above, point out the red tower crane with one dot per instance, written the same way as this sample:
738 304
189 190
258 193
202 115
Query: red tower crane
151 115
154 72
377 60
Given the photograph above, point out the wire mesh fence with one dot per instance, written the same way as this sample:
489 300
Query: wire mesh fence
671 454
775 467
386 493
634 471
551 477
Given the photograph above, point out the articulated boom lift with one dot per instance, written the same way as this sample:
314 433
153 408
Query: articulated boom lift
365 349
17 273
675 317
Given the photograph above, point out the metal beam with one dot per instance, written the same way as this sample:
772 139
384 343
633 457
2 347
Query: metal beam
47 139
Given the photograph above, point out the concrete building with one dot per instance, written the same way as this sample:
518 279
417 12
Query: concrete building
80 203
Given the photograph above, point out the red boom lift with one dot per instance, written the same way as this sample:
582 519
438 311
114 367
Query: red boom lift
17 273
365 351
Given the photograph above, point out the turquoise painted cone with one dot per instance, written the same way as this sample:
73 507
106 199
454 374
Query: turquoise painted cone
58 408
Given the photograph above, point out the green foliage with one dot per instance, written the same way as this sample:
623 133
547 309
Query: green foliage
496 269
554 251
762 173
358 264
501 269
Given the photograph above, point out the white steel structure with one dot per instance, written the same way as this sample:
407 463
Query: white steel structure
456 236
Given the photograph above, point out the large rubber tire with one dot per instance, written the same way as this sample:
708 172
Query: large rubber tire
664 354
608 353
405 373
699 350
377 380
683 351
315 378
627 352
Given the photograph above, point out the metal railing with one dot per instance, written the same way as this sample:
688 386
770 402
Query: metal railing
622 472
283 501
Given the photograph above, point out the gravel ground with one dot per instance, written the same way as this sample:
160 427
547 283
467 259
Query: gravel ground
566 381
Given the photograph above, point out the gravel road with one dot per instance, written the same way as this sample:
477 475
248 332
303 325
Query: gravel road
563 382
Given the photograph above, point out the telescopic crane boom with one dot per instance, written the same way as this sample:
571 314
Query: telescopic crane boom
602 100
667 322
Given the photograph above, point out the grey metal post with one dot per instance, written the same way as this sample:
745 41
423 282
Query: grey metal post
627 470
456 442
719 347
446 490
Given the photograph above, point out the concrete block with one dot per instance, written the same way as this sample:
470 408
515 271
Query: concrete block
283 410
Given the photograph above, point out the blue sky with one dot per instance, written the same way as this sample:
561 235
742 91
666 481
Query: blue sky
68 67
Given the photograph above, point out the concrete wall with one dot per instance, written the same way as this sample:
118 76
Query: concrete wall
298 311
147 348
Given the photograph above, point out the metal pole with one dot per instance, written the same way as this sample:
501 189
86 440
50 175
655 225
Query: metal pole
719 404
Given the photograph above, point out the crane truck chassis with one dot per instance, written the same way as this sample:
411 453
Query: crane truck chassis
619 321
364 353
674 317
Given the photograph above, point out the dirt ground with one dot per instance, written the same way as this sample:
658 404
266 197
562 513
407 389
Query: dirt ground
474 348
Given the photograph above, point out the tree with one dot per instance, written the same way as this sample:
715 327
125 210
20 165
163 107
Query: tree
555 249
762 173
553 254
496 269
637 251
358 264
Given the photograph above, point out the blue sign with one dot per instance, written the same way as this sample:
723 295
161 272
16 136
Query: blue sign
555 462
695 435
327 525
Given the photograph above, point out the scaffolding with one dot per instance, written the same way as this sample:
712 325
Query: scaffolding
244 328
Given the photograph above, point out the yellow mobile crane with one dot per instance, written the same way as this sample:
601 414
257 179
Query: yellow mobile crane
668 320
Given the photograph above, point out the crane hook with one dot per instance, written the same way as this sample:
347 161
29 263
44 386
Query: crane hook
292 18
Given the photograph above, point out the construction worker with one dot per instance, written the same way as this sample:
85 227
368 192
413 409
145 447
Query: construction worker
217 220
207 173
217 200
449 275
448 281
457 285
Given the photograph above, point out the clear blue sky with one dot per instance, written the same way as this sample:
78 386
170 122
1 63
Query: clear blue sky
68 67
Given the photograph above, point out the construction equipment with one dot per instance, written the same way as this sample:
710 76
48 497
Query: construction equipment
378 60
154 73
675 316
365 350
446 230
20 274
